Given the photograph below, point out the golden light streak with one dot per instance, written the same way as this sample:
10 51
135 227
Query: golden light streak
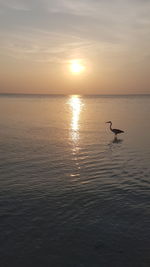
76 106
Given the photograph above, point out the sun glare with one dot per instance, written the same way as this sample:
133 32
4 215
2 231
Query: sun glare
76 67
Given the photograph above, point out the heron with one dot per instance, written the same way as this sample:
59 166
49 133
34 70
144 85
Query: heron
115 131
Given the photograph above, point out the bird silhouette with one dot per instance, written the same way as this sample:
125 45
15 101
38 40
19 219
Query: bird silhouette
115 131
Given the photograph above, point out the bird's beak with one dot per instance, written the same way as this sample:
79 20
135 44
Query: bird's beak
107 121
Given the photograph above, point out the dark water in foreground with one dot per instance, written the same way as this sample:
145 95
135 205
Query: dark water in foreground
69 195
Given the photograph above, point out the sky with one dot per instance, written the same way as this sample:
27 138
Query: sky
39 40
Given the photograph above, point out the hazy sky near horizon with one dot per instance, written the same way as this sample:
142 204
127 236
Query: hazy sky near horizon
39 39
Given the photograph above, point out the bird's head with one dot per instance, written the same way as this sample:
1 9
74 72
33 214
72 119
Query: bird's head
108 122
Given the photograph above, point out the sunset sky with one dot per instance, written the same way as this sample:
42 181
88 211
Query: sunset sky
42 40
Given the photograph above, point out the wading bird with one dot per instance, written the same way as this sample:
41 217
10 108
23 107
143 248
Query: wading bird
115 131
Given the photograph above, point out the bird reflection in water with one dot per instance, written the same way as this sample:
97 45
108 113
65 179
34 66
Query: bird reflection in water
117 141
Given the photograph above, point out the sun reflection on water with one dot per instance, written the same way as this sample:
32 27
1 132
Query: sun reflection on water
76 104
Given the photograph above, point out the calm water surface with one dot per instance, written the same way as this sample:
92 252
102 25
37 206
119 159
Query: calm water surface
70 195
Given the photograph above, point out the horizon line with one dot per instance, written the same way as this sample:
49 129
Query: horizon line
50 94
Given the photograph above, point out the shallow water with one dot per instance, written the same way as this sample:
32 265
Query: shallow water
70 194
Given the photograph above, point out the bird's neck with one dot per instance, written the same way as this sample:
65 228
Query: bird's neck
110 126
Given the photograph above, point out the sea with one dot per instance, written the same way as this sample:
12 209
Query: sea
71 194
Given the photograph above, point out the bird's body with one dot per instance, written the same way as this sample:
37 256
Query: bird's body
115 131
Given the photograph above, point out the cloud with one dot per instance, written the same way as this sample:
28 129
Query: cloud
14 5
107 21
115 33
42 46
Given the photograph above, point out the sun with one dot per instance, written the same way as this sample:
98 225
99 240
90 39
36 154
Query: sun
76 67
